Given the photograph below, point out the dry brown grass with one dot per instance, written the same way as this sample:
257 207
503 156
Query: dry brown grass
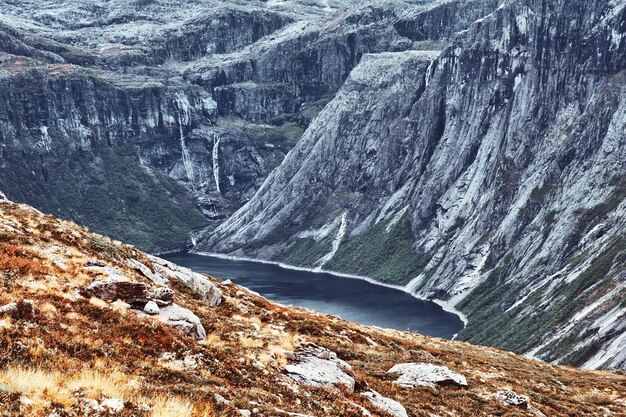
75 348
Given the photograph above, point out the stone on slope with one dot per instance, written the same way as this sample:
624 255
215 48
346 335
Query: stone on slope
386 404
319 367
151 308
512 398
113 289
427 375
181 319
147 272
197 283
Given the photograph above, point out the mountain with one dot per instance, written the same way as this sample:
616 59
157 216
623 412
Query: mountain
90 326
124 116
489 176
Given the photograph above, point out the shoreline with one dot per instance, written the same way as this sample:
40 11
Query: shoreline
443 304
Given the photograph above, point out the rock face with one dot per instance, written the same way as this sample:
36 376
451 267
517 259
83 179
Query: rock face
113 289
175 112
490 176
427 375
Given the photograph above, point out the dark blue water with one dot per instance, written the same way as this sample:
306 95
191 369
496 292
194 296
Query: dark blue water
352 299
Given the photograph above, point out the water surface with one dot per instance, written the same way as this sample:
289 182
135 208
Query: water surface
352 299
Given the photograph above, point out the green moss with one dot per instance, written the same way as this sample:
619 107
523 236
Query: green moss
491 324
111 194
388 256
306 252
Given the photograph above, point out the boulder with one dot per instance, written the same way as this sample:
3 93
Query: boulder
386 404
197 283
146 272
319 367
512 398
426 374
112 289
151 308
181 319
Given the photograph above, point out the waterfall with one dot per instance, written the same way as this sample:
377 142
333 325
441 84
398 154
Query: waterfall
216 161
182 110
336 241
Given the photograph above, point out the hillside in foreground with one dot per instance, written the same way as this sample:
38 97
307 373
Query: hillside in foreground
90 326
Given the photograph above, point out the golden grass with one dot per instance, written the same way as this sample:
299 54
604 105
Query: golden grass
172 407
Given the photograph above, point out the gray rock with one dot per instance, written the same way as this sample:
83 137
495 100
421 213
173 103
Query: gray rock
157 279
386 404
320 367
113 289
425 374
151 308
197 283
181 319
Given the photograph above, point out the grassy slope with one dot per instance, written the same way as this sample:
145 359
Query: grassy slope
111 194
75 349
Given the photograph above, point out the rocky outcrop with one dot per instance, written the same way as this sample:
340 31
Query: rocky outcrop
427 375
180 318
386 404
198 284
113 289
319 367
492 178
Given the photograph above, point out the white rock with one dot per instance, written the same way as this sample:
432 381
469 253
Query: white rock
113 404
192 280
151 308
180 318
156 278
316 366
512 398
386 404
426 374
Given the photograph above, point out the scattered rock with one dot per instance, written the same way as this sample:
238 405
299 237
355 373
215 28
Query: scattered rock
386 404
512 398
162 296
180 318
147 272
227 282
197 283
95 263
245 413
151 308
320 367
113 404
112 289
425 374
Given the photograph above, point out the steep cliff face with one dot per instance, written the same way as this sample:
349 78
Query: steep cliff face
495 181
197 100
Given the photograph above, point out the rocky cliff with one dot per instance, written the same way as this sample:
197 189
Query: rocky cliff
195 101
89 326
489 176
